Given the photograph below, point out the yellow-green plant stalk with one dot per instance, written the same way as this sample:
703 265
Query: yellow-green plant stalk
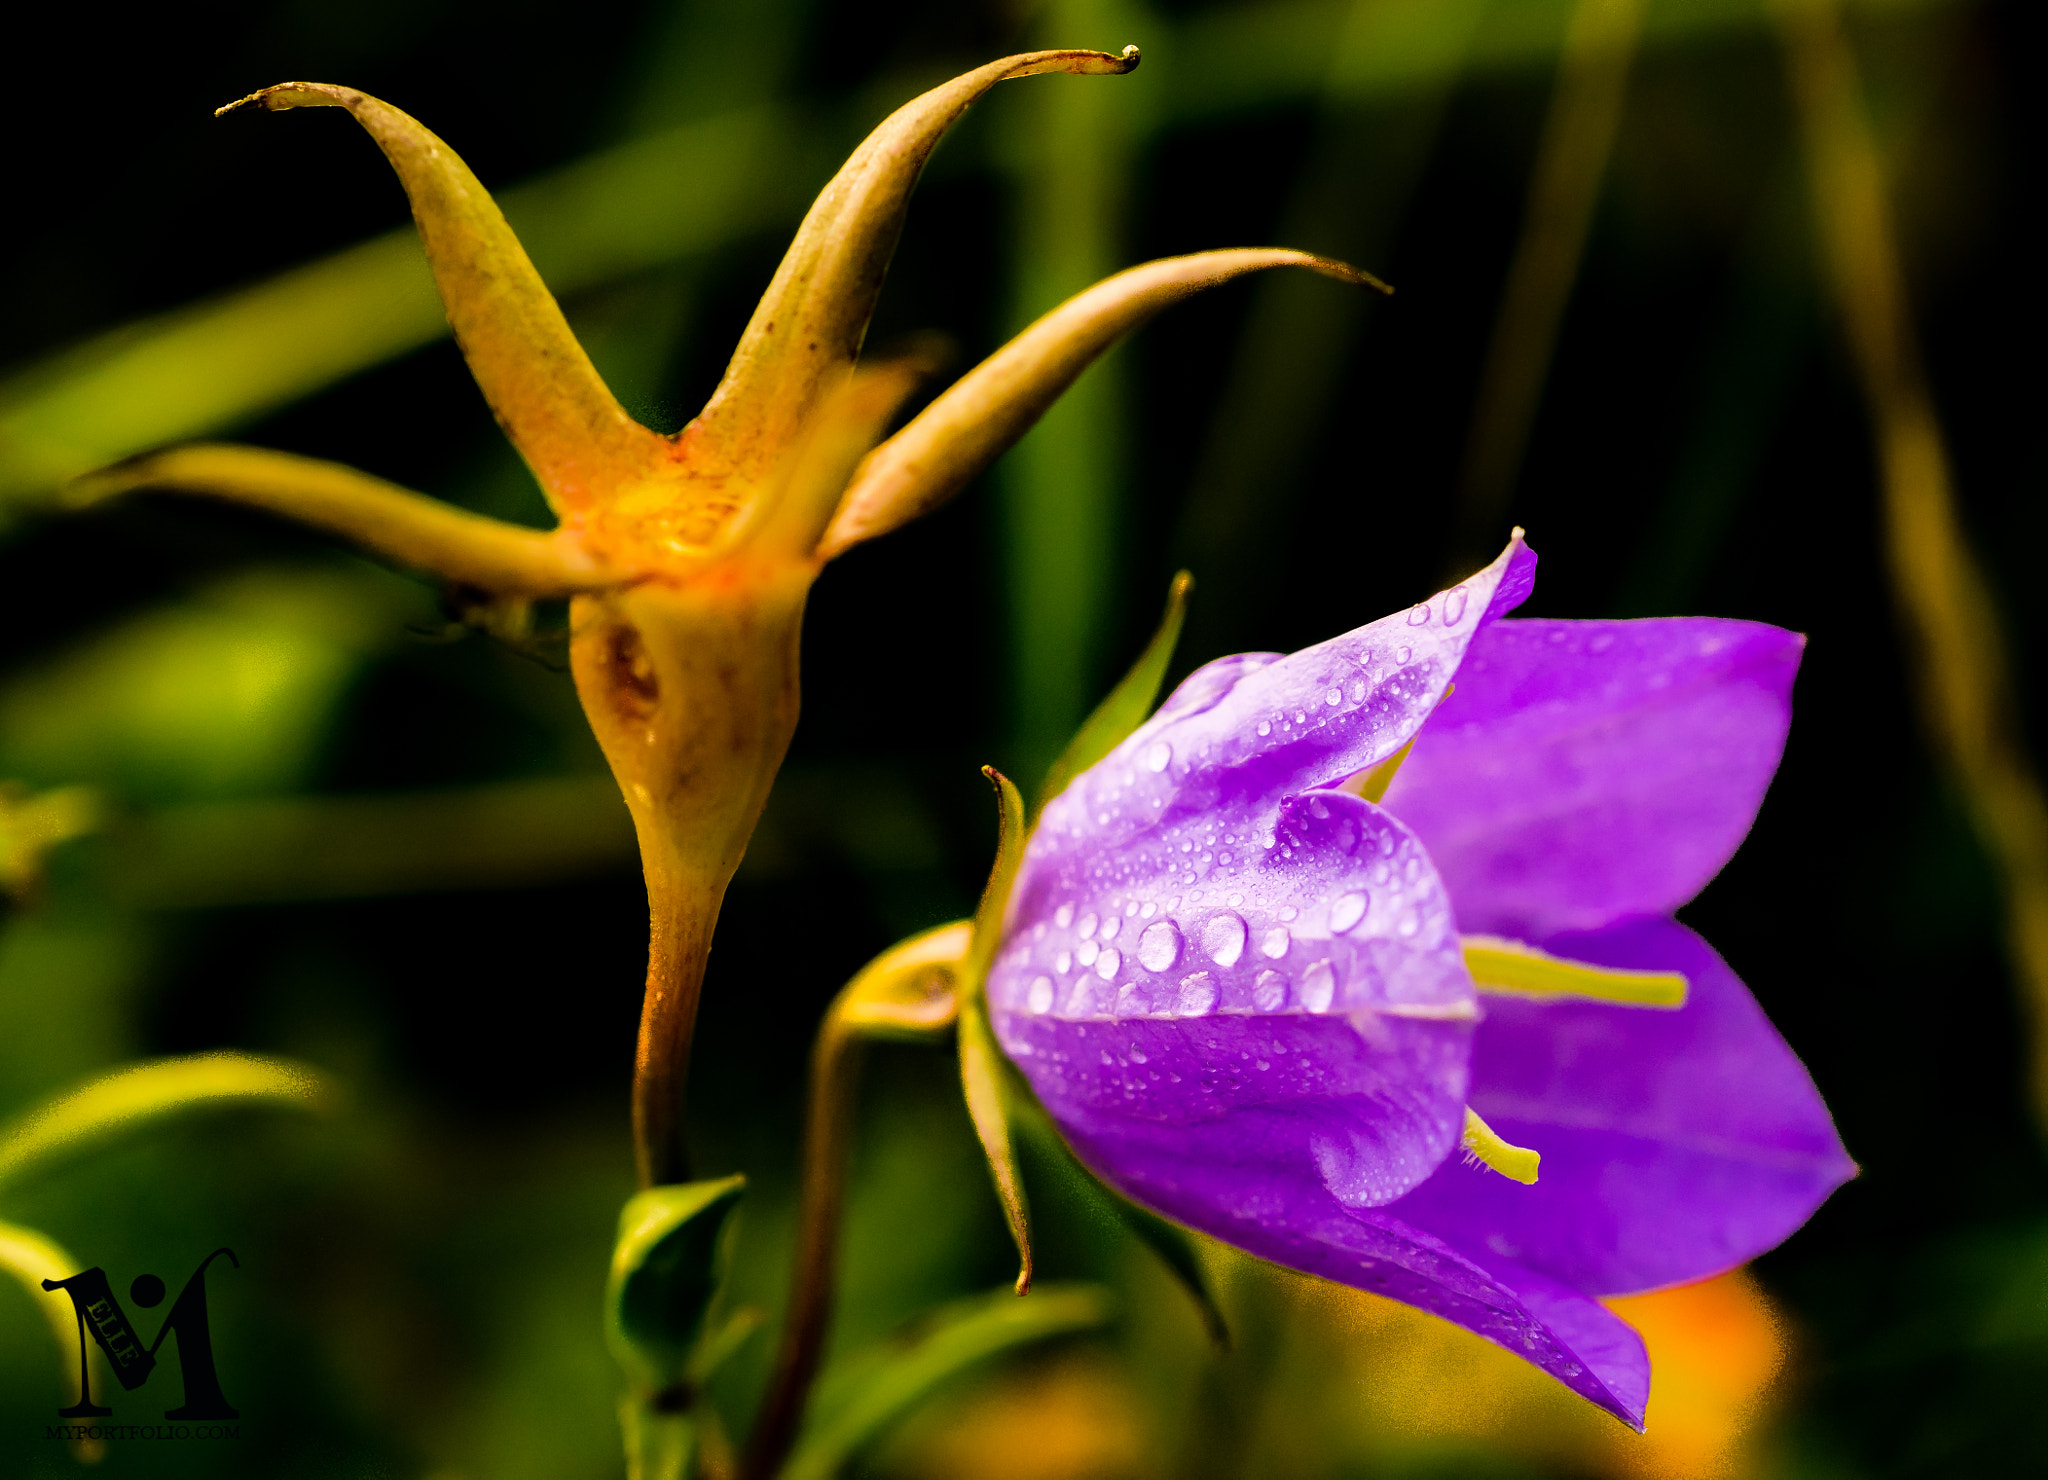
688 558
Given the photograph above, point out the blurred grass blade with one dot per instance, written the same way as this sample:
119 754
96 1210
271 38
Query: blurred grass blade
1128 703
1966 691
132 1099
876 1390
32 824
1053 1161
1226 60
806 332
32 1257
407 528
981 1080
1571 162
665 1274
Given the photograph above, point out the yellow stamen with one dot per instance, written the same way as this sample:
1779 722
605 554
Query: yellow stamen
1372 784
1516 1163
1511 966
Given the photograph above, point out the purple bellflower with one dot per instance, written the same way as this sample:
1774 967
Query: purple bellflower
1233 967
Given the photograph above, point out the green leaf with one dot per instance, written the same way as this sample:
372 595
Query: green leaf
1052 1162
665 1272
862 1397
131 1099
1128 703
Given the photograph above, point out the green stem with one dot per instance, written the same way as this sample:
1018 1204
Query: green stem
835 1074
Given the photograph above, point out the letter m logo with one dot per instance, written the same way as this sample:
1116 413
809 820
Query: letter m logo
101 1318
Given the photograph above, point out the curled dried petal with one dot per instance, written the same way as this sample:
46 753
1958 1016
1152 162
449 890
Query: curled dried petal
995 403
545 392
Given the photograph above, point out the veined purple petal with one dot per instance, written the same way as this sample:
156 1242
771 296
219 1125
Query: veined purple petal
1247 730
1586 771
1270 1199
1293 987
1676 1144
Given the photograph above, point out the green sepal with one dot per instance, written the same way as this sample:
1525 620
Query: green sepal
1129 703
85 1119
1012 833
1053 1163
667 1267
983 1084
862 1396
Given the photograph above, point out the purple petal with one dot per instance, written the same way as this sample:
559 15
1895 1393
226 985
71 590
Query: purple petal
1676 1144
1271 1200
1227 992
1250 729
1587 771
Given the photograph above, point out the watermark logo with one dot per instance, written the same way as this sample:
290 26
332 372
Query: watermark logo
102 1320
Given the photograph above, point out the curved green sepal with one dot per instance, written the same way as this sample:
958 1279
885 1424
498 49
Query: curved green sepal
1012 832
130 1099
1053 1163
981 1081
1128 704
666 1268
907 992
871 1391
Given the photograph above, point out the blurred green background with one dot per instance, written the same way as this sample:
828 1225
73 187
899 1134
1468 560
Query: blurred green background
341 827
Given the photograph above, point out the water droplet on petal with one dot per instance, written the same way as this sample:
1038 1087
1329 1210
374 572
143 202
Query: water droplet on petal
1454 605
1223 938
1087 925
1039 997
1158 757
1109 928
1063 916
1087 952
1275 945
1269 991
1418 615
1159 947
1319 987
1197 995
1407 924
1063 962
1402 655
1347 910
1333 697
1265 727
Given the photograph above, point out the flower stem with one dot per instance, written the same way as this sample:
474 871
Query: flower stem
680 920
835 1073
